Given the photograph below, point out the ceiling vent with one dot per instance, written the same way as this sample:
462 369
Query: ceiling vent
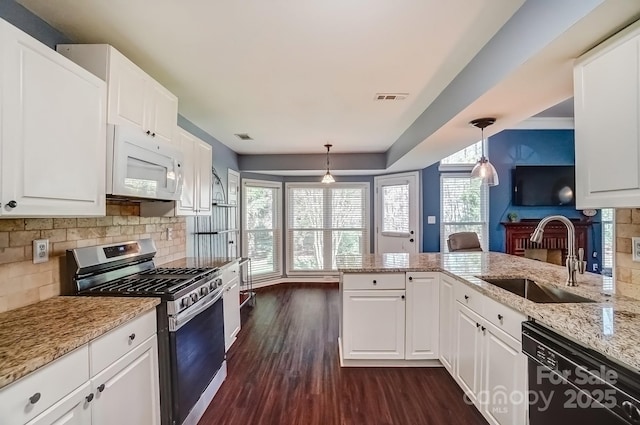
390 96
243 136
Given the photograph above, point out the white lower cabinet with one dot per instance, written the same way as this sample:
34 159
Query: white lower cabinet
422 316
374 324
124 392
74 409
446 310
504 385
489 364
468 351
231 308
127 391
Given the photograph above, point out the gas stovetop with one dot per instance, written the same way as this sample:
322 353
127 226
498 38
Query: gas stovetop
127 269
161 282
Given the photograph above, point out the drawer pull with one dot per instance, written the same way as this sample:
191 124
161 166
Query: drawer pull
101 388
402 296
500 317
483 329
477 325
410 278
375 282
132 337
34 398
89 398
466 297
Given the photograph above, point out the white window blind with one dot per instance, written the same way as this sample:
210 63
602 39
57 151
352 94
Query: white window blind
262 235
464 207
324 222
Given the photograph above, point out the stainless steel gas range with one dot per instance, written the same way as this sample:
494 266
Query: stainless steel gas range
190 318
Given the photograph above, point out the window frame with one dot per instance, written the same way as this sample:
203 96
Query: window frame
364 186
484 211
277 230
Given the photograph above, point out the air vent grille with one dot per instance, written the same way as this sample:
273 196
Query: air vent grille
243 136
390 96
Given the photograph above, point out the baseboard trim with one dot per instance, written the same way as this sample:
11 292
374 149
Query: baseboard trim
278 281
384 363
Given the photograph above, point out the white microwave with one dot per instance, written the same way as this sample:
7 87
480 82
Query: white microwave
139 166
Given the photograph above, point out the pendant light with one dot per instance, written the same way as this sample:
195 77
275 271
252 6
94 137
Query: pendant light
328 178
484 169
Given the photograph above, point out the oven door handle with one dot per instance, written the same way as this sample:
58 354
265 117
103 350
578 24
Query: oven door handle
182 319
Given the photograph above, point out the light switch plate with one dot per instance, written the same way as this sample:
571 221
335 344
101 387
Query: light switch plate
40 251
431 219
635 248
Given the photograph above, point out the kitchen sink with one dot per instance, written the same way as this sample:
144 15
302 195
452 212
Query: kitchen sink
530 290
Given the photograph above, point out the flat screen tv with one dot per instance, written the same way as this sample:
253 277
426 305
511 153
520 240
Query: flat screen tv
544 185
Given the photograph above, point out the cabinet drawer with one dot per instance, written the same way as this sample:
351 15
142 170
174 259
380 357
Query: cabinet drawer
504 318
45 387
230 272
469 297
373 281
111 346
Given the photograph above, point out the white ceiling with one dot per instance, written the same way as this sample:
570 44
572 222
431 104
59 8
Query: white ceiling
292 74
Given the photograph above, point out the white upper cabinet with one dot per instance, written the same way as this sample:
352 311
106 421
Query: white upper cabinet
607 123
134 97
53 132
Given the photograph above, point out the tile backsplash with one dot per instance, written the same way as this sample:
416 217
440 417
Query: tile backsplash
627 271
23 283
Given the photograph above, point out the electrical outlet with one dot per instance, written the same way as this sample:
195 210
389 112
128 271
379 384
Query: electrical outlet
169 234
595 267
635 248
40 251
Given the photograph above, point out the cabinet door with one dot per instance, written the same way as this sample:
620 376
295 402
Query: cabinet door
503 378
53 131
127 89
204 188
127 391
447 321
231 305
607 125
468 350
74 409
187 203
373 324
422 316
161 111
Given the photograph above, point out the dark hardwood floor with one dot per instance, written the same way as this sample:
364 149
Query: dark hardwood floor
284 369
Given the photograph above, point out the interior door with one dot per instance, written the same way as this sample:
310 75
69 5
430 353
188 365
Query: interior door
397 211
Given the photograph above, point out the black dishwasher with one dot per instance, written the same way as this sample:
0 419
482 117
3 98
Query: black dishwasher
569 383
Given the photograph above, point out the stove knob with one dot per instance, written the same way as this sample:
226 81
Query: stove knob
185 302
194 297
204 291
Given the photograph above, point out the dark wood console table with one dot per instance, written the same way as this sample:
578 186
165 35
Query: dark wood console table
555 236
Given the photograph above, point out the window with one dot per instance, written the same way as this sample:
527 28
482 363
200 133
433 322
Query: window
607 241
467 156
464 207
324 222
395 209
262 234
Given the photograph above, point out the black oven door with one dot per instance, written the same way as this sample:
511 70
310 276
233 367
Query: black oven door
197 347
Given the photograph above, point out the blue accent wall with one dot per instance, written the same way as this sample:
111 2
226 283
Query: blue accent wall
506 150
431 206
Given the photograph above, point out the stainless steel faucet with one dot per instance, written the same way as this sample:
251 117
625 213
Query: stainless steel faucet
574 264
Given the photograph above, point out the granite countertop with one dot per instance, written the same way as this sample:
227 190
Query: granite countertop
220 262
32 336
610 326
